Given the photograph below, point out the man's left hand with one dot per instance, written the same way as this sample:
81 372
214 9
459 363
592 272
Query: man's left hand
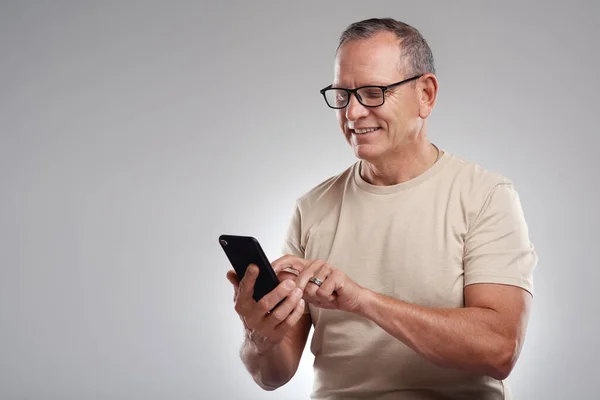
333 289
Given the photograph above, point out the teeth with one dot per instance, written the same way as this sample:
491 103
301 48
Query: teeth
361 131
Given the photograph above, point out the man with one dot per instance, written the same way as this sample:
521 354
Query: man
414 266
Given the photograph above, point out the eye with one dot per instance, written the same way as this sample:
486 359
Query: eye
340 96
336 97
371 93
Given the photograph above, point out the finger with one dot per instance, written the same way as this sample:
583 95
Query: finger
248 281
309 272
322 273
282 262
244 301
289 261
282 311
233 278
271 299
291 320
283 275
326 291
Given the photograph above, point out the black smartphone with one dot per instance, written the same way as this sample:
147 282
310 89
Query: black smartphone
245 250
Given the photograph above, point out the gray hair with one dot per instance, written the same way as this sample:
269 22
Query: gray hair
414 50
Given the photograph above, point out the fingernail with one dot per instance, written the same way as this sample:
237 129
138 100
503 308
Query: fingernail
297 292
301 303
288 284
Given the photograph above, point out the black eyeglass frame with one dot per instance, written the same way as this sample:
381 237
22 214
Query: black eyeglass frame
355 90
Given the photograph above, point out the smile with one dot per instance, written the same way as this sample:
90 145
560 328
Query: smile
364 130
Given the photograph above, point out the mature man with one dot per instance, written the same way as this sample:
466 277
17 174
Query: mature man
414 266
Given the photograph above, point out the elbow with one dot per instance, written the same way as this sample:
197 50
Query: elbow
272 383
267 387
501 372
505 360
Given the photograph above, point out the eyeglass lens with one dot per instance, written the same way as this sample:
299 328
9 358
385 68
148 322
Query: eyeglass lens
368 96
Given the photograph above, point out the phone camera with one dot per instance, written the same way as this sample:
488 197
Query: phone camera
223 242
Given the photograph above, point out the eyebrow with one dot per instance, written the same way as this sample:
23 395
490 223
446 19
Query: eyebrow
334 86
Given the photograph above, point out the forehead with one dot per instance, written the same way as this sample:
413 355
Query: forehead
368 61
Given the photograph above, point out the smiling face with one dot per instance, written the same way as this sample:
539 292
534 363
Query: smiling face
380 132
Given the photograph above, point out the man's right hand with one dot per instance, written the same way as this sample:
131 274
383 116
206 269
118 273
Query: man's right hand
266 328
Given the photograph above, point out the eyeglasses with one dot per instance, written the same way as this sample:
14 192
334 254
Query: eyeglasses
368 96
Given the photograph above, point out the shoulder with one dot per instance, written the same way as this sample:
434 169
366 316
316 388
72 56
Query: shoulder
326 191
473 174
314 206
474 181
478 189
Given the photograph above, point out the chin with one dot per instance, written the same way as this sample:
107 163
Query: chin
367 152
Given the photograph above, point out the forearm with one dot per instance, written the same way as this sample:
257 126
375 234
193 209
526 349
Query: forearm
469 338
271 366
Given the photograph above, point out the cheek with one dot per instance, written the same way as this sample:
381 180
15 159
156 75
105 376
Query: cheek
393 117
385 118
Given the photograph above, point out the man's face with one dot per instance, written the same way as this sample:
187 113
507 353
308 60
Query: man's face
376 61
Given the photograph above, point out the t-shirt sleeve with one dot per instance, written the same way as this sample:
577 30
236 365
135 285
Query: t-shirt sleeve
497 245
292 240
292 243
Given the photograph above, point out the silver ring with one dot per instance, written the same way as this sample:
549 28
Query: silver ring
316 281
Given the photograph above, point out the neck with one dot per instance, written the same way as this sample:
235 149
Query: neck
401 166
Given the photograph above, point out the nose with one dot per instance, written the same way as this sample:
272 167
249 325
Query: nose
355 110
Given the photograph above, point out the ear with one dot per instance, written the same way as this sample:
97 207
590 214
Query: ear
427 91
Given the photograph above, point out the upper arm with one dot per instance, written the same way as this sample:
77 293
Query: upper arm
497 248
499 260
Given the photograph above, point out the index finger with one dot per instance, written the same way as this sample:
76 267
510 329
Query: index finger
289 261
233 278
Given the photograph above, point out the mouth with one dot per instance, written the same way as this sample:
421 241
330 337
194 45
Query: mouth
363 131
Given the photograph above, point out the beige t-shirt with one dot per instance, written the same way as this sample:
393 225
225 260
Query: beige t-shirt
420 241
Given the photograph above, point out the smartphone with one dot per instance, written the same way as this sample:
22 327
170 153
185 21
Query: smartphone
245 250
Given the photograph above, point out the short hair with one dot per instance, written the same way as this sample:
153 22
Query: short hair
413 45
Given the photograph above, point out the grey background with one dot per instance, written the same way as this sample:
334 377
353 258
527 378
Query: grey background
132 134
